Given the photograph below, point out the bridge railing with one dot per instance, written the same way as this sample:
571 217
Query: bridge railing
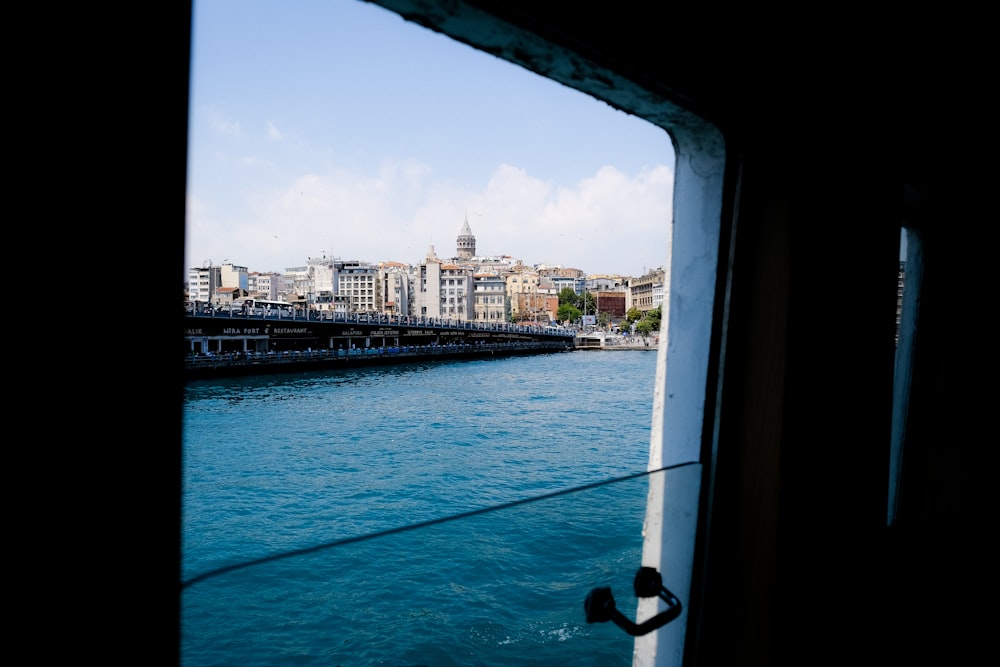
389 320
227 359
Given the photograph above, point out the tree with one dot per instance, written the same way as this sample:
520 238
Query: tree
567 295
654 317
568 312
644 327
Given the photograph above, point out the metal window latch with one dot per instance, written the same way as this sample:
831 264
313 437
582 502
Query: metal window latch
600 604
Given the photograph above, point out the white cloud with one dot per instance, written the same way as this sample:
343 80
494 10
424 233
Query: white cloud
610 222
223 125
273 133
253 161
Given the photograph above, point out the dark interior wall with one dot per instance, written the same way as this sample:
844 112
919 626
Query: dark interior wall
941 552
104 126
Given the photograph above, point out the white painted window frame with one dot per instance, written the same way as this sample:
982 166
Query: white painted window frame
672 511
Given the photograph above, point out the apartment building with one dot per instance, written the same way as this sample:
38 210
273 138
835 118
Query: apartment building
526 304
395 279
264 285
457 295
357 287
202 283
647 291
490 303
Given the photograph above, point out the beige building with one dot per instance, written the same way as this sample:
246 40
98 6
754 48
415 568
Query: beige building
526 303
557 271
234 276
647 291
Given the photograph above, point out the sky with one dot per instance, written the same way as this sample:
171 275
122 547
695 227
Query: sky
335 128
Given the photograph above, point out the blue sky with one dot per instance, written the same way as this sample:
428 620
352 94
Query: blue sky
334 127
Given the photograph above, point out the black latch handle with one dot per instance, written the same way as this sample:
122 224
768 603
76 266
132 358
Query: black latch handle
600 604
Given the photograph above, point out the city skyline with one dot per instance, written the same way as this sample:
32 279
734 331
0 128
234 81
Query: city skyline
442 255
338 129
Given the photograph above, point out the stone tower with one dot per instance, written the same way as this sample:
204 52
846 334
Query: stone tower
466 241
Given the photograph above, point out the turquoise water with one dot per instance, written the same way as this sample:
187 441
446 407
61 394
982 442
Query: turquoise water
311 465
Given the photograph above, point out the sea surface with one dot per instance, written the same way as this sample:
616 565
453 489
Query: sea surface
431 514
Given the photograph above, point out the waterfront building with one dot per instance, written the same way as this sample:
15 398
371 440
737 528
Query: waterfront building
490 298
609 293
299 283
395 279
427 287
659 293
357 287
202 283
500 264
559 271
578 283
264 285
311 286
611 302
549 297
522 290
229 296
646 292
456 292
205 282
322 280
552 307
232 275
605 283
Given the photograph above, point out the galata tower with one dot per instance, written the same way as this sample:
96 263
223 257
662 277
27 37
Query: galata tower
466 241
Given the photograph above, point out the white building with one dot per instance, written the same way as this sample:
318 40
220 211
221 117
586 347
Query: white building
264 285
490 298
356 287
427 287
395 280
205 282
456 293
299 283
442 291
202 283
321 283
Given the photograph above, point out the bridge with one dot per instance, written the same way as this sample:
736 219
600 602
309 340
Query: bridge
228 343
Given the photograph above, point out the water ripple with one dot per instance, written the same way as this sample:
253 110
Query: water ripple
283 463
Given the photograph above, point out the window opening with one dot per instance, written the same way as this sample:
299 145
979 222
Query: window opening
689 274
